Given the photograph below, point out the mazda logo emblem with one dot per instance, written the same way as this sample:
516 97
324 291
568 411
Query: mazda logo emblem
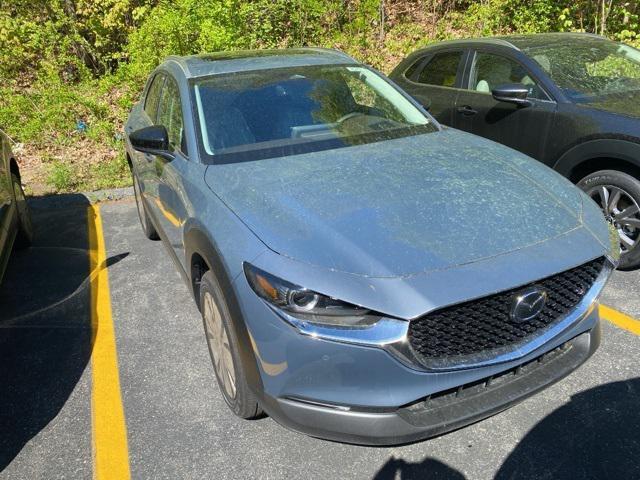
527 304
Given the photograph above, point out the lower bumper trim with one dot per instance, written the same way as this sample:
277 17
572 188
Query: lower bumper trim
434 416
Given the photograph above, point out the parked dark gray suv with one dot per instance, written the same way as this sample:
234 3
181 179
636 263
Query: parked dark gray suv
571 101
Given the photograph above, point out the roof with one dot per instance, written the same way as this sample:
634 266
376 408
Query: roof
543 39
519 42
464 41
246 60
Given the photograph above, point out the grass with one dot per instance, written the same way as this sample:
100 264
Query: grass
61 177
55 155
110 174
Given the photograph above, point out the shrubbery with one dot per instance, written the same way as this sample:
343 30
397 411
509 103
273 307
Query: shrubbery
69 63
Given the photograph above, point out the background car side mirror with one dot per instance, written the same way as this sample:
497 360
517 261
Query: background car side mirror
153 140
512 93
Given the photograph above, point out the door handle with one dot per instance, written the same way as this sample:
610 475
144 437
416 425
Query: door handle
149 158
467 110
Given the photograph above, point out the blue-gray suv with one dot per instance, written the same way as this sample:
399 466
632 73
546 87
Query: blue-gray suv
364 274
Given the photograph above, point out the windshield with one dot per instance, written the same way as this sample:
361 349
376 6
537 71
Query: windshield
590 68
252 115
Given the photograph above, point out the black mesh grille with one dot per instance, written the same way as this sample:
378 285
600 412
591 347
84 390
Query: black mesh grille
482 325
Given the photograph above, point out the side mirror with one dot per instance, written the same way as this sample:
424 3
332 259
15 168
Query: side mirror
153 140
512 93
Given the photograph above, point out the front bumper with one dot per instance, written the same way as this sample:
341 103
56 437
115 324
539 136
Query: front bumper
369 395
435 414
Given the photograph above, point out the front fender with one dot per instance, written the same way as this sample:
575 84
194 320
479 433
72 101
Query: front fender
614 148
196 241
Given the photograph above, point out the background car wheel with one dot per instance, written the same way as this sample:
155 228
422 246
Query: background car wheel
223 349
24 237
147 227
618 194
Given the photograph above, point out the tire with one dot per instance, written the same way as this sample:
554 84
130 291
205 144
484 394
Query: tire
618 195
145 222
223 349
24 237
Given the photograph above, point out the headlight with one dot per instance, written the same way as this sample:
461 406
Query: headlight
306 305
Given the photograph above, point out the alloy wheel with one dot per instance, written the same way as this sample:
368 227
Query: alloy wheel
219 346
622 211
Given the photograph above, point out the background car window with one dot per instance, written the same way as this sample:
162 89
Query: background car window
170 114
490 71
412 69
441 70
153 97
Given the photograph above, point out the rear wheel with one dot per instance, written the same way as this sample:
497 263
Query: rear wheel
24 238
223 349
618 194
145 222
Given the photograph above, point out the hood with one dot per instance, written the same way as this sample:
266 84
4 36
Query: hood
399 207
625 104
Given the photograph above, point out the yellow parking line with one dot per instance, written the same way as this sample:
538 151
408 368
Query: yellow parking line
109 431
620 319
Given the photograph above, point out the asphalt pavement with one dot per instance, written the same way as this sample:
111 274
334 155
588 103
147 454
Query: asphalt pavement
176 424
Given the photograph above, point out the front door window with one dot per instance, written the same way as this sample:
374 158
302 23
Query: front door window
170 115
490 71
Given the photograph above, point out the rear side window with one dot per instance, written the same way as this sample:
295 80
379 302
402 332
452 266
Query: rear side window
170 114
441 70
153 97
412 69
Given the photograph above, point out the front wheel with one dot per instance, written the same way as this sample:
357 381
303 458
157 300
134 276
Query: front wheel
223 349
618 194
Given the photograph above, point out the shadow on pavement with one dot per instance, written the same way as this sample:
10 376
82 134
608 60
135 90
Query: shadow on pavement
428 469
594 436
45 322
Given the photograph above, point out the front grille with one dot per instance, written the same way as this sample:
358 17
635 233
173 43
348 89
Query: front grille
484 326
